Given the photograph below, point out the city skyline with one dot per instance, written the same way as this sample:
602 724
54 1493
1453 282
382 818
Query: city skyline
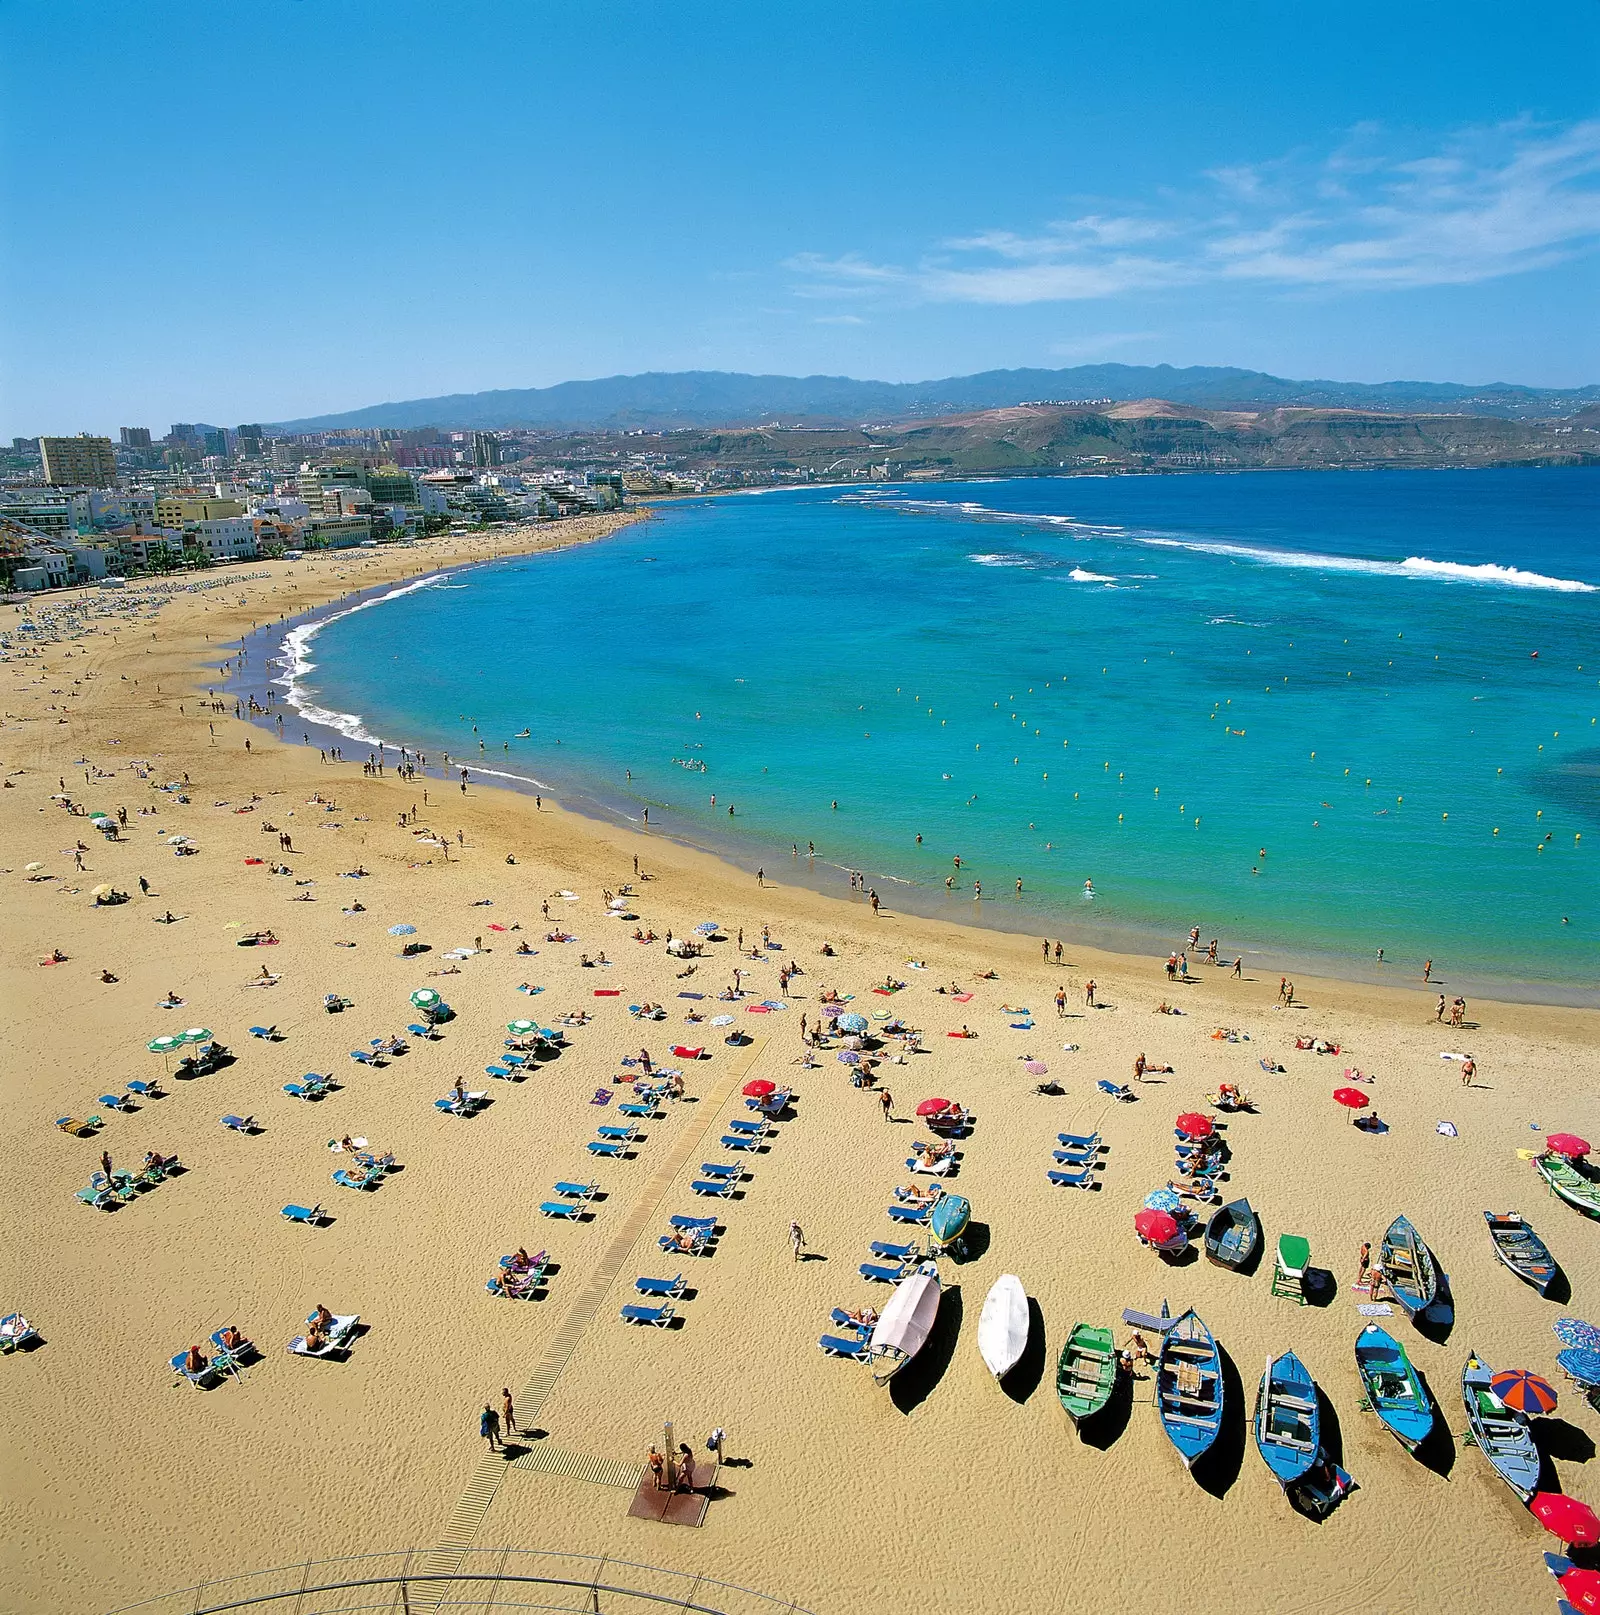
515 200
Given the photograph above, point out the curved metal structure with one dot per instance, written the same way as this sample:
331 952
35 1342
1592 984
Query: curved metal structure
420 1582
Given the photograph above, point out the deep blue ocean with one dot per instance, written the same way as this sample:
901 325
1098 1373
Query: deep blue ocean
1315 714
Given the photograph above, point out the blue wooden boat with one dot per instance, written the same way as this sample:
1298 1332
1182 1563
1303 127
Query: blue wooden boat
948 1220
1408 1267
1522 1250
1288 1420
1503 1435
1189 1387
1392 1386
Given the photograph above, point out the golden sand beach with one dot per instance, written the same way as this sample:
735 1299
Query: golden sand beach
943 1492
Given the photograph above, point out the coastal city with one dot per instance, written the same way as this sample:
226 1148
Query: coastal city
809 823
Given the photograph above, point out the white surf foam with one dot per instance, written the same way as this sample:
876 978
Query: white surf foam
1081 575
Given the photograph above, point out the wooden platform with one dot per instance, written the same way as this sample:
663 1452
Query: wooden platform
675 1508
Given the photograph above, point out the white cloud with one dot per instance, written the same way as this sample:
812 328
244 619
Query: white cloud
1490 202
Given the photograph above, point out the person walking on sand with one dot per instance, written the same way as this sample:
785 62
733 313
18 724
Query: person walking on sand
797 1239
1363 1263
1469 1070
489 1427
886 1099
508 1412
1061 1003
1438 1013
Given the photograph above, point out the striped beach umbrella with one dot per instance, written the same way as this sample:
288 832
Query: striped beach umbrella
1524 1392
165 1044
198 1034
521 1028
425 998
1575 1332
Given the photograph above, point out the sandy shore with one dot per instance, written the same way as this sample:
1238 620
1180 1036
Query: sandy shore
951 1491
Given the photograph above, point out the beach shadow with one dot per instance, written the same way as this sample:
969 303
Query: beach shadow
1219 1468
812 1256
1559 1289
1437 1450
1023 1380
974 1243
1435 1323
1187 1257
1109 1423
1332 1433
1556 1438
913 1385
1320 1287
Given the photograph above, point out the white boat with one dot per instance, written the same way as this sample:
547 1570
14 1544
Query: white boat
1003 1325
906 1322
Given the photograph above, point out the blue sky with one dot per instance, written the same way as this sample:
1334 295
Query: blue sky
229 212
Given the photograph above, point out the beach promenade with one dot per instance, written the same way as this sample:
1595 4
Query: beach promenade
946 1490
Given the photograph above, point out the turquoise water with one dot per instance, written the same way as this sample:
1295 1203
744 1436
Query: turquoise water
1139 682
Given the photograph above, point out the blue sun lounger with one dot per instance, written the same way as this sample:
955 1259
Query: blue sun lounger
1076 1157
854 1348
145 1090
1117 1090
578 1191
102 1199
365 1057
115 1101
754 1129
880 1275
310 1086
699 1243
240 1124
207 1376
678 1220
900 1253
722 1169
1079 1141
306 1214
671 1288
720 1187
425 1032
627 1134
659 1316
637 1108
739 1141
607 1146
572 1210
909 1213
501 1072
346 1181
270 1033
1072 1180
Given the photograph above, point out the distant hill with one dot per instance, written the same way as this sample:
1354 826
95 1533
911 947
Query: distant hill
699 398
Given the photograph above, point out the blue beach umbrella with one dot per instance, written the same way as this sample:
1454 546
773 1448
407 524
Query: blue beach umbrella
849 1057
1583 1365
1164 1200
708 928
853 1022
1575 1332
402 930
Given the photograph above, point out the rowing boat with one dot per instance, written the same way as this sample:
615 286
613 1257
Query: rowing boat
1522 1250
1003 1325
1086 1373
1288 1421
1409 1267
948 1220
1233 1235
1566 1181
902 1331
1393 1388
1189 1387
1503 1435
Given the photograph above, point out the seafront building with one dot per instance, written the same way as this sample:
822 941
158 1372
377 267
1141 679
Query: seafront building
77 509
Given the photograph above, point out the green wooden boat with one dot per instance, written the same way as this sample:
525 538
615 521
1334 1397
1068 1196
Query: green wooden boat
1566 1181
1086 1373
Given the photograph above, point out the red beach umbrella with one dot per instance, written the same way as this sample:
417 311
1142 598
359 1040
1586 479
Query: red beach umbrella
1582 1589
1352 1097
760 1088
1036 1068
934 1107
1156 1226
1565 1517
1525 1392
1194 1125
1567 1144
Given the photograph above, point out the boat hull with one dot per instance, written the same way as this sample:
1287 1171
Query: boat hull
1522 1251
1503 1437
1288 1420
1189 1393
1409 1267
1393 1387
1003 1325
1086 1373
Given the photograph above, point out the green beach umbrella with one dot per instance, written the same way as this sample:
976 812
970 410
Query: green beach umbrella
521 1028
164 1044
198 1034
424 998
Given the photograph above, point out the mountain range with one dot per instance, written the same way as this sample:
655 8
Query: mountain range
660 400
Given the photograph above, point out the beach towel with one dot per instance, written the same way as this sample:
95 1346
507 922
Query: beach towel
1374 1309
1447 1128
757 1009
682 1053
525 988
608 992
602 1096
493 926
255 860
691 995
962 998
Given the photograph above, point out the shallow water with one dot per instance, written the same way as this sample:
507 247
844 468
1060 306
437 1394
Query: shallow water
1290 708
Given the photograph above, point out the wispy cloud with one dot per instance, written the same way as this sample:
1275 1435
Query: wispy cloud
1490 202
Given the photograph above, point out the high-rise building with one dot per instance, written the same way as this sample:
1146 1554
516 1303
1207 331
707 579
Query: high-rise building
135 437
249 440
78 462
485 449
216 442
182 432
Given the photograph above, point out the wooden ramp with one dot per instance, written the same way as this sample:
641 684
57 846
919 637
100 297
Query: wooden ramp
475 1501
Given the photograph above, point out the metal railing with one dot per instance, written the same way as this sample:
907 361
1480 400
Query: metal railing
482 1579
